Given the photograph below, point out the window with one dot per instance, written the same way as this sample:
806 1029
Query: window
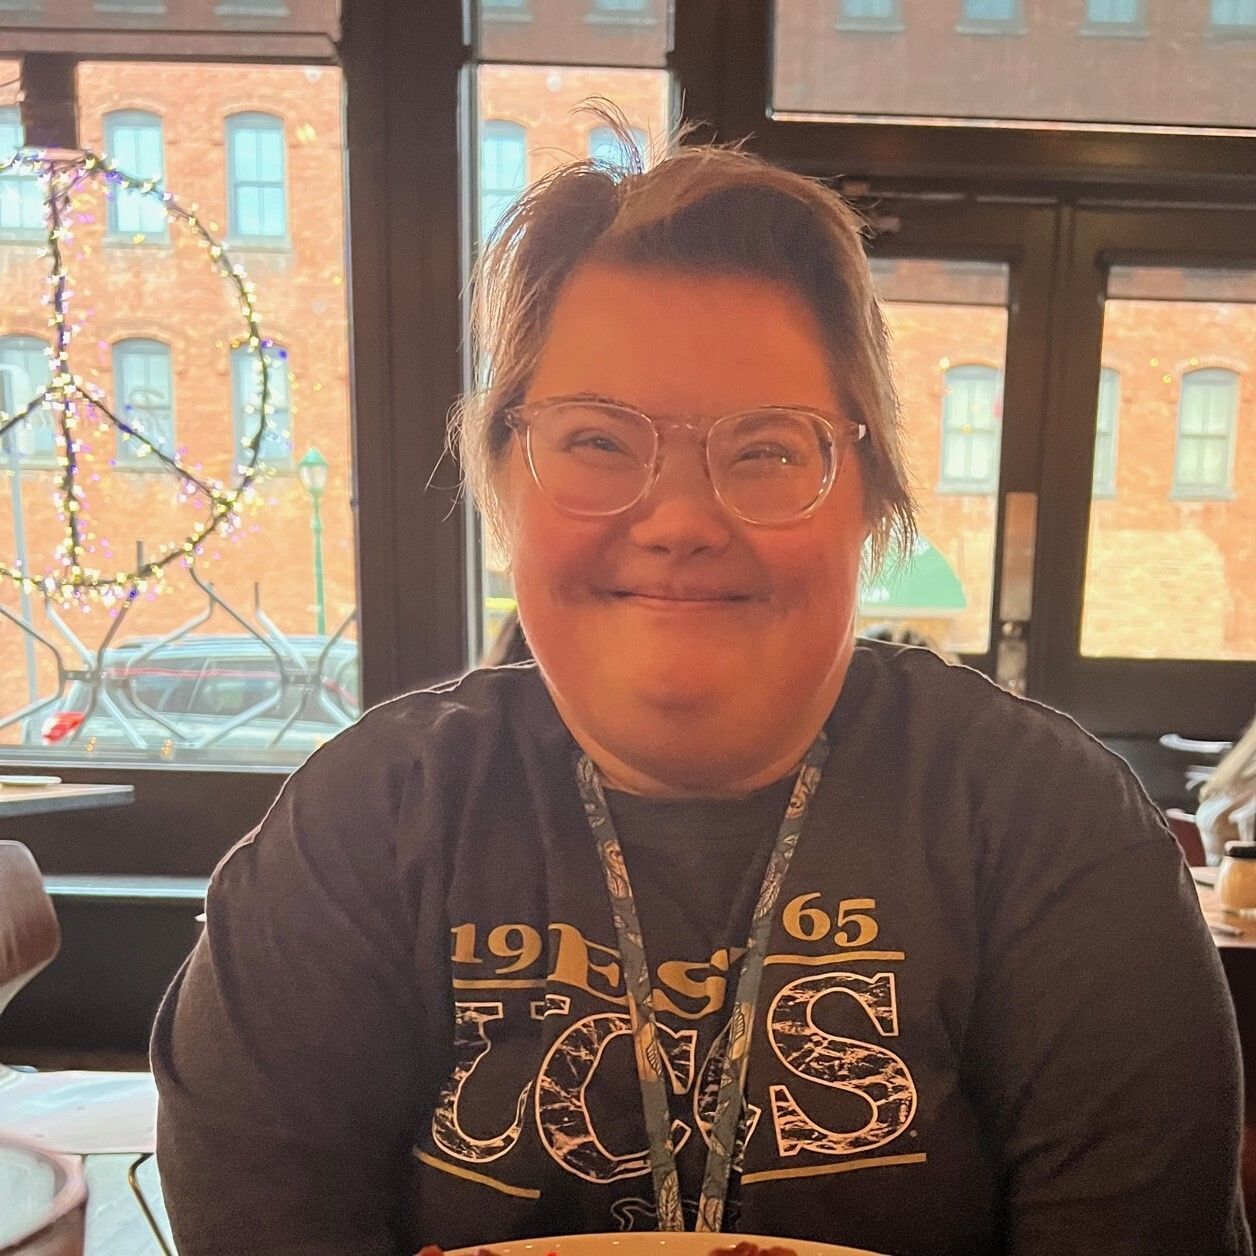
503 171
256 177
1205 439
1107 16
246 393
1233 14
1103 480
605 147
505 9
251 8
971 414
24 372
21 198
143 399
990 12
617 7
870 14
133 141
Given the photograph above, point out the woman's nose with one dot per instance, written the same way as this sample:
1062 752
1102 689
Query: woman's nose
681 513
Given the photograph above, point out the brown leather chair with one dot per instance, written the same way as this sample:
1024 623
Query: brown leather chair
29 934
1186 831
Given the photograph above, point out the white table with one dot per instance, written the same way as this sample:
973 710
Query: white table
32 800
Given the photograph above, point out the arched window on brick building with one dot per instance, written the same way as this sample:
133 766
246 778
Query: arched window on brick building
503 171
143 398
972 420
21 200
24 373
133 140
605 147
1103 481
257 178
1207 414
246 399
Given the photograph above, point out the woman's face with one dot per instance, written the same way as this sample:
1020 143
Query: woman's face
688 651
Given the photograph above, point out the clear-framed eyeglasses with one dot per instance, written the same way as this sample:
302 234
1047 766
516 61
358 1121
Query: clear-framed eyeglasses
767 465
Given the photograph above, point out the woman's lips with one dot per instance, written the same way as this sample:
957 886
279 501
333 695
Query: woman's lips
681 599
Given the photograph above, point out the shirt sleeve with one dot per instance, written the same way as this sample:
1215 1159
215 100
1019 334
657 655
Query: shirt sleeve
1103 1040
286 1051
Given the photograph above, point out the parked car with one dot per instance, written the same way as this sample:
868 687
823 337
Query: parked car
183 699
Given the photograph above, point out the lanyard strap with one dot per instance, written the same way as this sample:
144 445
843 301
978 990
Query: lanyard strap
726 1121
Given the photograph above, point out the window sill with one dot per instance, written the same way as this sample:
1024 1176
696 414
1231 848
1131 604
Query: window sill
229 9
1188 495
24 235
120 240
618 19
506 17
1227 33
1113 30
150 466
1104 493
869 26
991 28
29 463
259 244
953 489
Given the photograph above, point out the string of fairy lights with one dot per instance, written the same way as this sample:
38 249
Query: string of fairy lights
81 408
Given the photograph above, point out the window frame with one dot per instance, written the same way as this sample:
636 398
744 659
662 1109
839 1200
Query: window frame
949 433
1103 28
971 24
134 120
149 348
28 344
240 360
1229 29
498 130
638 14
10 116
639 135
1103 488
260 122
890 24
1182 490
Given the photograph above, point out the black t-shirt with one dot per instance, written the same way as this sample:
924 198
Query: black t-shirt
991 1021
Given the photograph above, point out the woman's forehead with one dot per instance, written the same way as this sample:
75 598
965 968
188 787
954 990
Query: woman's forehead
683 341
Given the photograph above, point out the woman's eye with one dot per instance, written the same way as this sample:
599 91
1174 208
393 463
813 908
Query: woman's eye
767 453
598 442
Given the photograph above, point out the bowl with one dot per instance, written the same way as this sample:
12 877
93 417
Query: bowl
43 1199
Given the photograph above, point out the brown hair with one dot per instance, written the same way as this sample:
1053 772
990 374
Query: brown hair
698 208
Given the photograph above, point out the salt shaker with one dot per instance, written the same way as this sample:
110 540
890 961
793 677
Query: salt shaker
1236 881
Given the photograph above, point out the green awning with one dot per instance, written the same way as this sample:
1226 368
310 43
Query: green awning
925 587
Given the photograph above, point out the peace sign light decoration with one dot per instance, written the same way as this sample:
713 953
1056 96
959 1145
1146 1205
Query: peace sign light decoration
76 404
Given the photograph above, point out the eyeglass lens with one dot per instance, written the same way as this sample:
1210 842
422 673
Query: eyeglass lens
767 465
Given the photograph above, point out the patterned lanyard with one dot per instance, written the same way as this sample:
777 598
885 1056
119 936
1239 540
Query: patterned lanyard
730 1102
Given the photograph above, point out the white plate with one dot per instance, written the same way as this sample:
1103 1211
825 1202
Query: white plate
641 1243
30 780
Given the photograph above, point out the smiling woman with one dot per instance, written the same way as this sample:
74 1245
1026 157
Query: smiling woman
706 917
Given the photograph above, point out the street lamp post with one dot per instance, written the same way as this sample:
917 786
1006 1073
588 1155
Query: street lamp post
312 472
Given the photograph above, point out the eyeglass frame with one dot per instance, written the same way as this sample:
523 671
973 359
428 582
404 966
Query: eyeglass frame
519 420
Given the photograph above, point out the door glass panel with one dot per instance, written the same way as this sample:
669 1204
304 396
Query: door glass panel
948 328
1171 555
529 122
